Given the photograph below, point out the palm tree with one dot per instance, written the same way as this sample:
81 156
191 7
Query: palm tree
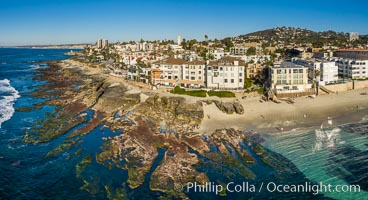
318 75
206 37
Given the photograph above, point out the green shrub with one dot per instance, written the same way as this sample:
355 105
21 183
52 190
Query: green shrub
248 83
221 94
260 90
194 93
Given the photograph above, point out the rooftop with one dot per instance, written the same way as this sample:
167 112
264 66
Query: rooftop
353 50
227 61
288 65
179 61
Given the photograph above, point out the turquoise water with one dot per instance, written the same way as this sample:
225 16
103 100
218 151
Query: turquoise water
336 156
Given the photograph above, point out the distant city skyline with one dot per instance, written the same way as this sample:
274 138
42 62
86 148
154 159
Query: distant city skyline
42 22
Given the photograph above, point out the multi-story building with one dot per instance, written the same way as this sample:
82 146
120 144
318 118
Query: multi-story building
217 53
179 40
327 70
352 63
289 78
253 70
226 73
352 69
355 54
193 74
178 72
101 43
238 50
353 36
133 73
105 43
170 71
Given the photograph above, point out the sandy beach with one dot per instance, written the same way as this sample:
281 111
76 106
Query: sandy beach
269 117
266 117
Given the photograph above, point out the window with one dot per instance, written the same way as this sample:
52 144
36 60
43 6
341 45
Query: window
192 78
199 78
199 72
187 77
240 74
240 80
225 80
232 80
209 68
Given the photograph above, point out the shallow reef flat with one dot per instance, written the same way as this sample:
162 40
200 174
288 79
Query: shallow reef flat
155 141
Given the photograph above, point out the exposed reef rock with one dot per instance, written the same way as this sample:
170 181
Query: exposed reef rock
144 128
228 107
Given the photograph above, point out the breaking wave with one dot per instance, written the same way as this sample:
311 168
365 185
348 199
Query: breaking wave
326 138
8 96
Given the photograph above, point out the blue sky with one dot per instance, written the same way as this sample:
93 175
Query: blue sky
30 22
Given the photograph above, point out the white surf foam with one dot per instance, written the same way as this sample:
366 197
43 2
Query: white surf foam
326 138
7 100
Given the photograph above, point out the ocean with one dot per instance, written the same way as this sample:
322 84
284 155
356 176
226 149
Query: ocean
335 155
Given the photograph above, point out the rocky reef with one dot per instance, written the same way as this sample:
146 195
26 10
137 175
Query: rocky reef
228 107
84 102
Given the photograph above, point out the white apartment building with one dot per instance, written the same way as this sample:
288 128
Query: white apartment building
289 78
328 70
352 69
217 53
352 63
226 73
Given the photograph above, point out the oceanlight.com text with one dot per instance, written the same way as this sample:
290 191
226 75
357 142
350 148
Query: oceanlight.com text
271 187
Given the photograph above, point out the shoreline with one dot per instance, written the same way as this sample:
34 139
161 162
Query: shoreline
114 99
305 113
267 117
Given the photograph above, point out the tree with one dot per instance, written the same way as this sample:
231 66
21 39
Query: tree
206 37
228 43
251 51
211 56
